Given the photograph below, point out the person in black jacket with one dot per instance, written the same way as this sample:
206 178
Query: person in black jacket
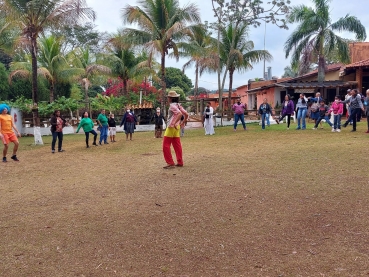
265 111
158 119
57 124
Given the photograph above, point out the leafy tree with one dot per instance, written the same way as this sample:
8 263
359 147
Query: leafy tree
249 13
81 36
5 59
33 16
161 25
176 78
314 38
4 85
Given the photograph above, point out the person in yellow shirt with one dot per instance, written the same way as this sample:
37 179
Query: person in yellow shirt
172 132
6 132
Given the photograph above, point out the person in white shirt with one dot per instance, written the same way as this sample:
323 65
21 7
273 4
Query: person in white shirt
208 120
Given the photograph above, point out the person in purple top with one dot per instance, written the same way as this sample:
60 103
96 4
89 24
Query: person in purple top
239 114
288 109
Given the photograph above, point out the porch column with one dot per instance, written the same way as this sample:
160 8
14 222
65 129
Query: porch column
359 79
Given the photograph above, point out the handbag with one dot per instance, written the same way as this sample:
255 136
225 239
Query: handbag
314 107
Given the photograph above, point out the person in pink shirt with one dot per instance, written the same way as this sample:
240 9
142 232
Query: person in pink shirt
239 114
337 109
172 132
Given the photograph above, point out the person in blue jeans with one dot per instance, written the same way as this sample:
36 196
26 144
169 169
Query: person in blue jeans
265 110
301 110
323 114
102 120
239 114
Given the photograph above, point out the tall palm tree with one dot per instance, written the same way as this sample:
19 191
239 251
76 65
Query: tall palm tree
162 23
33 16
51 61
315 35
240 55
125 63
201 48
86 67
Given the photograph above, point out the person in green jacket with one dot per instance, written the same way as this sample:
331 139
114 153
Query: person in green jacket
88 127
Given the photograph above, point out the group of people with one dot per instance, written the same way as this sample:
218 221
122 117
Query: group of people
178 117
356 104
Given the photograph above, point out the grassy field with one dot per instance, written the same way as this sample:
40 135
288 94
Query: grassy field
257 203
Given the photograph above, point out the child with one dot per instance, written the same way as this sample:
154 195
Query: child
337 109
323 114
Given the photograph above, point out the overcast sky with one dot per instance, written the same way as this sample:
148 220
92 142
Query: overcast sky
109 19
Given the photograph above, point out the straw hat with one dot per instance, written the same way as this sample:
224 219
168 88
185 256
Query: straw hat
172 93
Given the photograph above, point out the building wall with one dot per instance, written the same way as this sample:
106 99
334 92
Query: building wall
359 51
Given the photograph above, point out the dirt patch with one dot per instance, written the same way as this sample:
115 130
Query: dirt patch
256 203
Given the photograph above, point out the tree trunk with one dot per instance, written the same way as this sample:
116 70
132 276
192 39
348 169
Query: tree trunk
220 89
230 93
125 89
196 91
163 83
321 69
36 119
52 98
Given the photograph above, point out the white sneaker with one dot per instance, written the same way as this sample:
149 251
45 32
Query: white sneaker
314 128
338 130
333 130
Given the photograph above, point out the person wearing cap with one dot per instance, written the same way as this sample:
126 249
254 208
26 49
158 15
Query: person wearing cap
172 132
158 119
6 132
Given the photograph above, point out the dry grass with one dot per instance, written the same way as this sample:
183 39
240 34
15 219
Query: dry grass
257 203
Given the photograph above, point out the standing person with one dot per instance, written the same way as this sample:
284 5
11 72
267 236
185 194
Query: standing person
356 106
88 127
112 127
323 114
366 105
6 132
208 121
301 110
287 110
315 107
102 120
265 110
172 132
239 114
158 119
129 121
348 109
337 109
57 124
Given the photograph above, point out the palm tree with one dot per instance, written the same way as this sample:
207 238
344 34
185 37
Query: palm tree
201 48
240 55
33 16
51 61
124 63
161 25
85 66
315 37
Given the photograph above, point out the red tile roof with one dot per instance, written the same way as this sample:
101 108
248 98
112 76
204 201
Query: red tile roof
358 64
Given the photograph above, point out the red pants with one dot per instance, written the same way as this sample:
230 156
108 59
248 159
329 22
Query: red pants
176 142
